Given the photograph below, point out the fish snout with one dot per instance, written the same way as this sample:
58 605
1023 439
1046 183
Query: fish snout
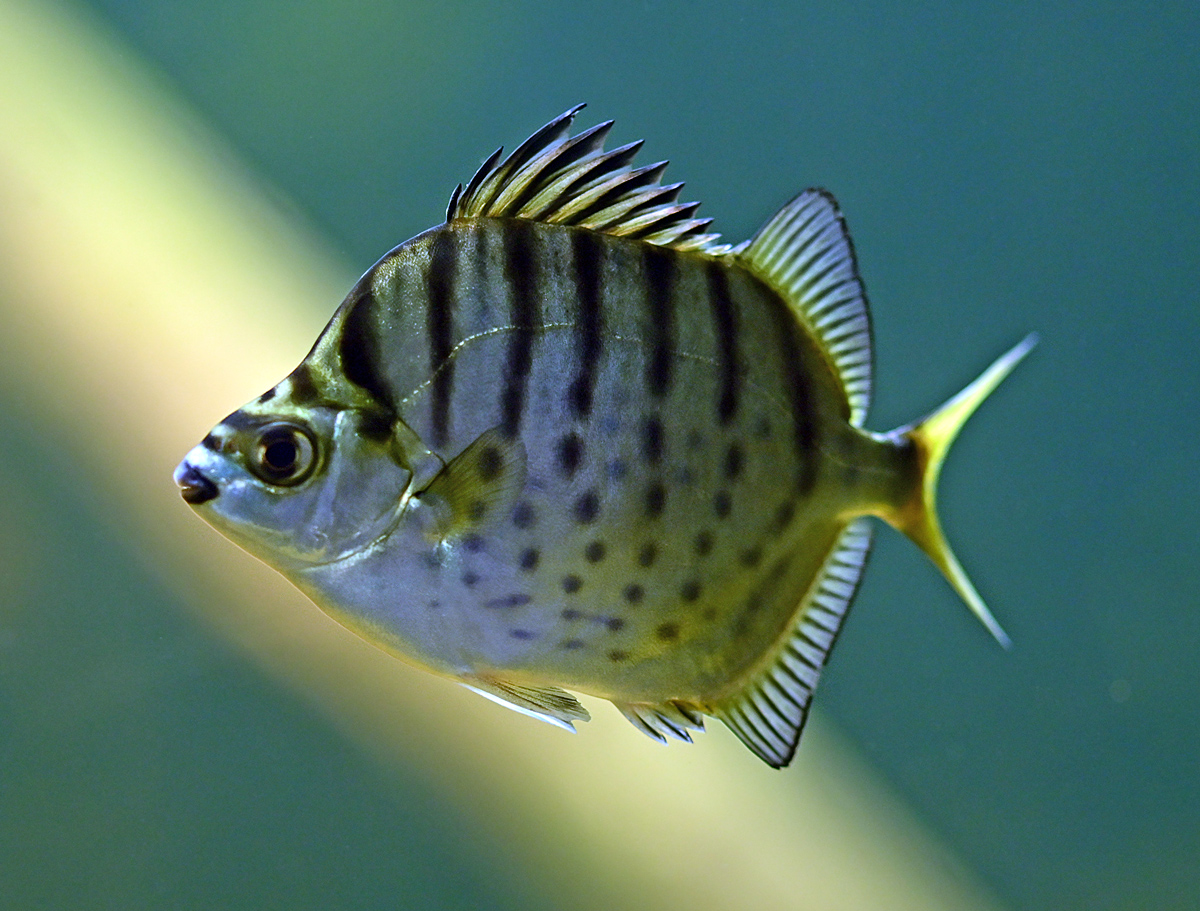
193 485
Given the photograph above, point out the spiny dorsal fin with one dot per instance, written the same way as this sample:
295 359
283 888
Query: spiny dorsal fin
805 253
561 179
769 714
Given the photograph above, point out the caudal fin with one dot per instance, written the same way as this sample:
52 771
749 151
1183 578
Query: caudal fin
932 436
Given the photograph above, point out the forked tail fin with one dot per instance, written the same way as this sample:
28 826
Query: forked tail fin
932 437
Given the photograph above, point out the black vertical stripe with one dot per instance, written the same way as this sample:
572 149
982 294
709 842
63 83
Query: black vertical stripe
359 348
799 392
725 318
519 262
659 268
588 250
439 287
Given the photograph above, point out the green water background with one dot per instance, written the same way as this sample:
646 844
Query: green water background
1003 168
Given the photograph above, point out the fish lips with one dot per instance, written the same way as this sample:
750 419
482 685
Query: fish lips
194 487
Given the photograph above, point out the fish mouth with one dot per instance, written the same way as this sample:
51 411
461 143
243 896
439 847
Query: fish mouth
194 487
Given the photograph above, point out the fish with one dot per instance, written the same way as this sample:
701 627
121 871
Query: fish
568 441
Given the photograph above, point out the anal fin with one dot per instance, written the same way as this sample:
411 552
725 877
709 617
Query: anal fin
768 713
546 703
671 719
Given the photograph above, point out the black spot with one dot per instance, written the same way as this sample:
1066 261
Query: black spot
303 387
752 557
634 593
721 503
798 385
376 424
784 515
476 510
690 591
507 601
520 262
667 632
439 286
266 396
572 644
647 555
617 655
594 552
695 439
570 613
652 440
614 624
741 626
617 469
523 634
725 318
529 559
754 603
659 268
733 461
490 463
570 454
588 258
524 516
359 349
211 442
587 508
469 579
703 544
472 543
433 604
571 584
656 499
762 430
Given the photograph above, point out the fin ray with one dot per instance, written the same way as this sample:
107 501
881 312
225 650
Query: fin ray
658 722
559 179
479 485
769 713
805 253
545 703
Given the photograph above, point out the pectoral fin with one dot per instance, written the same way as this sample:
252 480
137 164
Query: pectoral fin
546 703
480 485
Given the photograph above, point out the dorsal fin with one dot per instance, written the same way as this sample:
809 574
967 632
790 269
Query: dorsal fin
561 179
805 253
769 713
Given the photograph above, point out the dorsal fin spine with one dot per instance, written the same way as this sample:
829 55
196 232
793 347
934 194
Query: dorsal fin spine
523 185
563 180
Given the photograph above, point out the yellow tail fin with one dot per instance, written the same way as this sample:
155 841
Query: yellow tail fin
932 437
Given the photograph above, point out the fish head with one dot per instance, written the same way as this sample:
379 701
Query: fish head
297 486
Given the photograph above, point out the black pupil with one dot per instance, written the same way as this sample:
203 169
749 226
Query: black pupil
280 455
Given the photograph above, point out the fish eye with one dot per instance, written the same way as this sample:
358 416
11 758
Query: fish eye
283 454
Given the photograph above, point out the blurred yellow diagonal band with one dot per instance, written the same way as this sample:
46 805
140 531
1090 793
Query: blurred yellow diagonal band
147 287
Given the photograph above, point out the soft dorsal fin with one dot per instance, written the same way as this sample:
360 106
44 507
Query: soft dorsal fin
561 179
805 253
769 713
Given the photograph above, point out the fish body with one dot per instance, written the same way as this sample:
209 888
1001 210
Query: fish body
569 441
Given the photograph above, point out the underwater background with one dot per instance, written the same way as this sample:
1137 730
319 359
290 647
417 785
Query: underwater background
188 190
